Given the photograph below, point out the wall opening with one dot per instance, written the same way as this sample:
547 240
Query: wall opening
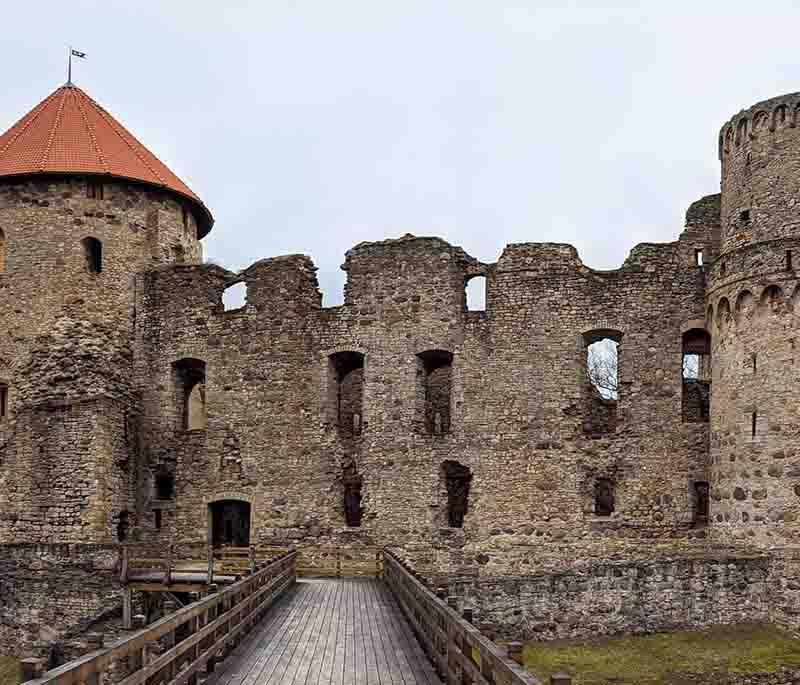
435 377
123 526
230 523
753 424
698 257
234 296
157 519
475 294
700 496
772 297
604 497
346 391
601 380
3 400
190 386
744 216
94 190
696 376
457 480
789 263
164 485
93 252
353 511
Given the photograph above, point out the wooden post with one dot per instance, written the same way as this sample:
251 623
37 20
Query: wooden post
127 608
30 669
515 651
560 679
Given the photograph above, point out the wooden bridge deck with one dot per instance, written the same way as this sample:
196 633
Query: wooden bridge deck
329 631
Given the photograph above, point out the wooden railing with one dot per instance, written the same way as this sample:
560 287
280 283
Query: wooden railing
177 648
195 558
458 650
340 562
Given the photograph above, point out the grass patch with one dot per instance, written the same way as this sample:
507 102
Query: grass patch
9 671
647 659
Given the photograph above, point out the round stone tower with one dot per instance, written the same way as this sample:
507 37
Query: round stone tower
84 208
753 312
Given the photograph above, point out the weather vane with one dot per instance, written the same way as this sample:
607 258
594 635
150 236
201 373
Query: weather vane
73 53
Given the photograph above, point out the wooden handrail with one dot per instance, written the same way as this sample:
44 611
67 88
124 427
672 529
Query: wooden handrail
458 650
210 628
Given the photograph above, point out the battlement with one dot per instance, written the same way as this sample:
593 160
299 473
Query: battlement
761 119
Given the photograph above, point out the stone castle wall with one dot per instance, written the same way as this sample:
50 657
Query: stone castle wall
517 409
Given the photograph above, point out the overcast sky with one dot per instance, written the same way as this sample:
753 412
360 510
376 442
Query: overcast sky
311 126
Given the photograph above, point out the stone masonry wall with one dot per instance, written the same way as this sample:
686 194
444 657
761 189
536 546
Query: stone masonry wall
609 598
49 592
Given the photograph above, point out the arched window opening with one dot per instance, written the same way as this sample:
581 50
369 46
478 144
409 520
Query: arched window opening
475 294
601 367
457 480
744 304
435 377
696 376
234 296
2 252
723 313
230 523
93 252
604 497
700 491
353 511
346 391
165 485
190 386
772 297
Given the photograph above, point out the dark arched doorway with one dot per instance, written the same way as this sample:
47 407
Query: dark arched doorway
230 523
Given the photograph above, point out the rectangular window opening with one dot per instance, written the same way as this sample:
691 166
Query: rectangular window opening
3 401
158 519
698 258
789 265
744 216
754 423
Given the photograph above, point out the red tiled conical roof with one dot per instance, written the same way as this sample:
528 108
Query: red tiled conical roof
69 133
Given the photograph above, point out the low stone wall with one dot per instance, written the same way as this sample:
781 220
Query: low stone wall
609 598
52 592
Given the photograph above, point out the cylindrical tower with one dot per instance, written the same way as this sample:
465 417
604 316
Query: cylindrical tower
754 315
84 206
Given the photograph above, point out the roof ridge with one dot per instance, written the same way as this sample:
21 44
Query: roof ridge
35 115
110 121
92 136
52 134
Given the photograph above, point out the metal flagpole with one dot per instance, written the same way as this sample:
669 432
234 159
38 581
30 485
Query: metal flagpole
69 68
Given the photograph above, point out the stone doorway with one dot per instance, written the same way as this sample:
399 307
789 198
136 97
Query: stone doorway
230 523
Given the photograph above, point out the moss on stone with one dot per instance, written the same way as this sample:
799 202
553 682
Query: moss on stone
9 670
645 659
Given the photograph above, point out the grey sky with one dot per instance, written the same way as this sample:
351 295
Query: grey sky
311 126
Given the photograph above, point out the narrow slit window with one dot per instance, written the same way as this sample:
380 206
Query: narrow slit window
698 258
789 264
755 361
3 400
701 492
93 252
604 497
158 519
753 424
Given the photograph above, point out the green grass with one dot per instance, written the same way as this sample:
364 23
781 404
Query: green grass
9 671
648 659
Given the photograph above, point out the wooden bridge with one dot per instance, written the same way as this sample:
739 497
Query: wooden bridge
271 627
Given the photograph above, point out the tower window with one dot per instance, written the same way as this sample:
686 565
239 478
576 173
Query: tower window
158 519
2 251
93 251
94 190
604 497
753 424
700 493
698 257
190 385
353 510
789 265
744 216
346 391
457 478
165 486
435 373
